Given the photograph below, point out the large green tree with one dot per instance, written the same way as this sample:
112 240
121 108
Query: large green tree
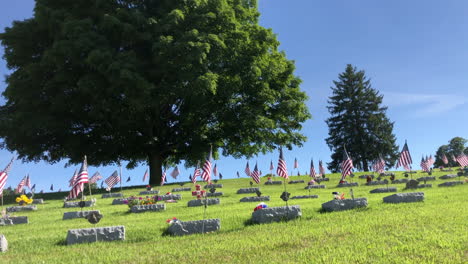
358 121
147 81
455 147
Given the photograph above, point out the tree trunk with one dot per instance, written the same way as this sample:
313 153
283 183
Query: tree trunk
155 164
365 165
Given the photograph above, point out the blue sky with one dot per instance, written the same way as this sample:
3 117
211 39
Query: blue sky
414 52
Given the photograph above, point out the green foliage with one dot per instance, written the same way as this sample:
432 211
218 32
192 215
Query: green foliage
147 81
432 230
455 147
358 121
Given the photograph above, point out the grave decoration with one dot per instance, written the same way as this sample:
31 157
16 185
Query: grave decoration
260 206
24 200
133 200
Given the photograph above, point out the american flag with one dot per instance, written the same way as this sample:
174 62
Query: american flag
247 169
145 175
296 164
271 166
431 160
81 179
444 159
424 165
313 174
255 174
163 178
215 170
281 170
379 165
112 180
196 173
73 179
51 187
175 172
346 165
96 177
321 168
28 182
4 176
129 179
462 159
206 173
238 174
20 187
405 158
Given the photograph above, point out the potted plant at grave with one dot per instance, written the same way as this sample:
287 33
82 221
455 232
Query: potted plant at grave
24 200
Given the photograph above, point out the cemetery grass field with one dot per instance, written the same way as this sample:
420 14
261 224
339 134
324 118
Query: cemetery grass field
433 231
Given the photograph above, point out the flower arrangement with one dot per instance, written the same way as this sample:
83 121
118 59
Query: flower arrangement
260 206
172 220
338 196
23 200
148 187
133 200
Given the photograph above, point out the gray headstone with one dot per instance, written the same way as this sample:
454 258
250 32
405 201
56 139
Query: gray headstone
21 208
404 197
387 174
273 183
304 197
148 208
412 184
90 235
186 189
119 201
323 179
14 220
90 203
201 202
78 214
449 184
180 228
377 182
314 187
38 201
112 195
255 199
170 197
209 186
276 214
248 190
448 176
3 243
384 190
341 205
426 179
294 182
149 192
348 184
215 194
399 181
423 186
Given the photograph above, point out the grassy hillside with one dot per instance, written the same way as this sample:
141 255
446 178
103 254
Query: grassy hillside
433 231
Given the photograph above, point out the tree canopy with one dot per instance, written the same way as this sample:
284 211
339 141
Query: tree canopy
455 147
358 121
147 81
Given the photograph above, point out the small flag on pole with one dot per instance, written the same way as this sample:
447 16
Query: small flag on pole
321 168
444 159
96 177
206 173
175 172
112 180
51 187
215 170
28 182
196 173
313 174
281 170
4 175
405 158
80 180
271 165
163 178
296 164
255 174
128 179
145 175
247 169
238 175
346 165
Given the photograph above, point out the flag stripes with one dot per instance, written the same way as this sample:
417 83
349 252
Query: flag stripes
281 169
80 180
4 175
112 180
206 171
405 158
255 174
346 165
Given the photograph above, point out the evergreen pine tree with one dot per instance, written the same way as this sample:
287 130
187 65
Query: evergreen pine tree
358 121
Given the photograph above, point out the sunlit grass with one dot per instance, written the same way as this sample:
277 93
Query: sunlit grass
433 231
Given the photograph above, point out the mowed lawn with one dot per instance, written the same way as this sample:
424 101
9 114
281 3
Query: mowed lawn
433 231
